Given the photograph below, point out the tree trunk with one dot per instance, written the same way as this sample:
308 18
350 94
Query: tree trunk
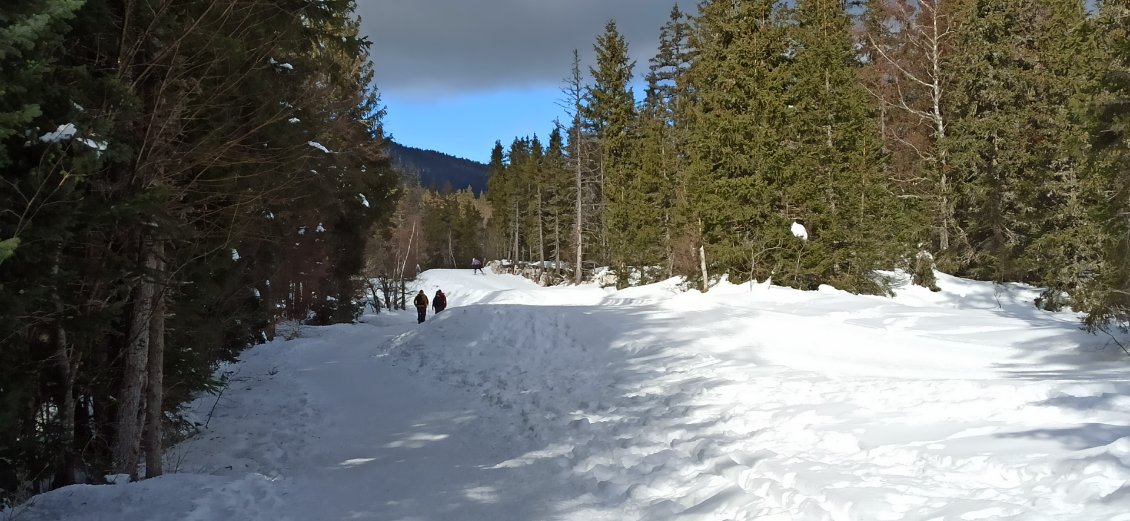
702 265
68 367
451 250
127 442
376 299
541 241
514 257
580 215
155 388
557 243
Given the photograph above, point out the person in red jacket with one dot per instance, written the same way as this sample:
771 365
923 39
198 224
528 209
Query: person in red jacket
439 302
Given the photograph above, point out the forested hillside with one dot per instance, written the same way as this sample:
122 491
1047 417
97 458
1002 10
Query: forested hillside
178 177
816 142
439 171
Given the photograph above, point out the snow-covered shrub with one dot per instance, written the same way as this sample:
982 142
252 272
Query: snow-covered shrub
923 271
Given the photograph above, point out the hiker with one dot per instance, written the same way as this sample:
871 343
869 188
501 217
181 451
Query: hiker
421 303
477 265
439 302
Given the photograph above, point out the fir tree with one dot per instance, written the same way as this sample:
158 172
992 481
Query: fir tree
610 115
1110 306
737 215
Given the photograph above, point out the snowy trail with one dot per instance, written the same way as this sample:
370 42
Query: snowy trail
415 453
525 403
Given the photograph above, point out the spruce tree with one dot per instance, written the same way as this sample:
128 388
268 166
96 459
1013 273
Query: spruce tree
1065 237
737 214
610 114
498 195
834 182
660 157
1110 306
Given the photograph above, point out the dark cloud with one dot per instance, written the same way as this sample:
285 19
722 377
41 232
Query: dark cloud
437 48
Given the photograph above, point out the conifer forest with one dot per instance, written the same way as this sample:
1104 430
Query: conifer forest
180 177
984 138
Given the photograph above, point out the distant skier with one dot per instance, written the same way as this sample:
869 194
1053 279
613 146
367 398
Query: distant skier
421 303
477 265
439 302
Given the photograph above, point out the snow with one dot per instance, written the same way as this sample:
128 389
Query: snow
62 133
318 146
99 146
799 231
320 228
68 131
364 200
293 120
234 255
281 65
581 403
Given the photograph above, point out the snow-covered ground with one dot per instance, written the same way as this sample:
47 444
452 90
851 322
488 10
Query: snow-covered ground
578 403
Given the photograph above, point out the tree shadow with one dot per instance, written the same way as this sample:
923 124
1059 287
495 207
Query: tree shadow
630 408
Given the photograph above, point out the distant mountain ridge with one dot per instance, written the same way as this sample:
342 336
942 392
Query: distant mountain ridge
440 171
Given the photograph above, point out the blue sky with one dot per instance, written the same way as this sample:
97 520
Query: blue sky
467 125
457 75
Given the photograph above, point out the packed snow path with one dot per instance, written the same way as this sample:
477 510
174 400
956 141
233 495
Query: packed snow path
750 402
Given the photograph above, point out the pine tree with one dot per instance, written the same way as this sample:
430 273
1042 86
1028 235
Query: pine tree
610 115
1014 139
498 195
559 198
834 182
737 215
1064 234
1110 306
40 197
192 153
658 155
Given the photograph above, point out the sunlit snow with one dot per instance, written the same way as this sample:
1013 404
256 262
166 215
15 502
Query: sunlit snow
750 402
799 231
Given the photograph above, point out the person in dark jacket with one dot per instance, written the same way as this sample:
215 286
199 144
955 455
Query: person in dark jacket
477 265
421 303
439 302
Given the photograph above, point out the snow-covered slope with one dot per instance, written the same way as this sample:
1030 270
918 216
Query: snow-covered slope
579 403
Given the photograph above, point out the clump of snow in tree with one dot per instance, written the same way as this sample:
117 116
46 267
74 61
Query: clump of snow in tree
301 230
318 146
63 133
234 254
799 231
281 65
320 228
293 120
99 146
364 200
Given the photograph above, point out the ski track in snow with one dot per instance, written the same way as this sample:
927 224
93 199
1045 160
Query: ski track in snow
576 403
